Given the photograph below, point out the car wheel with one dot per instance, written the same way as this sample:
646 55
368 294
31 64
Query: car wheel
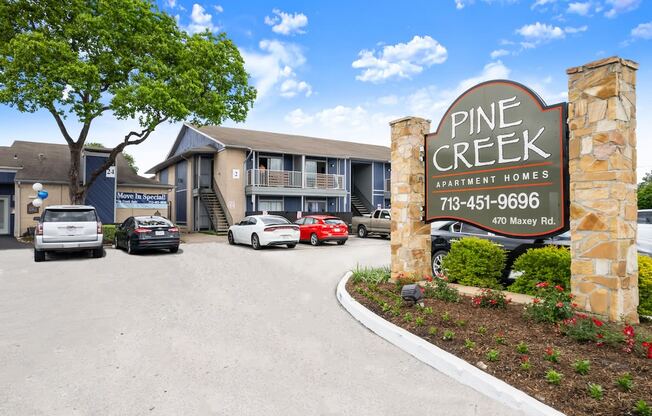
292 245
255 242
39 256
98 253
174 249
437 258
229 237
362 231
130 249
341 242
314 240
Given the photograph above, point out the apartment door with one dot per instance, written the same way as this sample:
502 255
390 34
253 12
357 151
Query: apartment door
4 215
204 172
316 205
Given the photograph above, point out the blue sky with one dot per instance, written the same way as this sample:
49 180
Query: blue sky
343 70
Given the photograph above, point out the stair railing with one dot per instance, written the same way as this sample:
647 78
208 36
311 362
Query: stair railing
225 209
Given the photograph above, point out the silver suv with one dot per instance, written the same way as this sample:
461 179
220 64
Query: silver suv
68 228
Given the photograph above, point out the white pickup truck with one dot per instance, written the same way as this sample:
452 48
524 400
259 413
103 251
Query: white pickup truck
379 222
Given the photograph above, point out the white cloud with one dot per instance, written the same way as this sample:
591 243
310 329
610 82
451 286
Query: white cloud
218 8
430 102
459 4
573 30
617 7
287 23
275 63
643 31
297 118
401 60
200 20
540 3
172 3
540 32
291 88
498 53
581 8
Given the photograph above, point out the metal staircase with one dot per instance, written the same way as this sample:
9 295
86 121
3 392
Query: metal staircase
216 214
359 208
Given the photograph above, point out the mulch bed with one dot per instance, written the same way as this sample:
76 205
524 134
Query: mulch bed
571 396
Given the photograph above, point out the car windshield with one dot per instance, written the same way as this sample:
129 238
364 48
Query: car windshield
153 222
69 215
333 221
274 220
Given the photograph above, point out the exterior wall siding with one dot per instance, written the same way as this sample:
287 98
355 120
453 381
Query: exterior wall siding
57 195
232 189
101 194
191 139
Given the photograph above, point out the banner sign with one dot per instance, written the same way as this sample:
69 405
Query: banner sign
139 200
498 160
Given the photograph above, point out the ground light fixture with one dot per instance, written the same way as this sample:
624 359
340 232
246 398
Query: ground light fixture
411 294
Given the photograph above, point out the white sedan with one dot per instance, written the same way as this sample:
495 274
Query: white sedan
264 230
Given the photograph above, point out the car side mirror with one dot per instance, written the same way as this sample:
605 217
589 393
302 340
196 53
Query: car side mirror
36 218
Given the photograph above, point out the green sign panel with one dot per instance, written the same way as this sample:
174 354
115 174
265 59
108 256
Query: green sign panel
498 160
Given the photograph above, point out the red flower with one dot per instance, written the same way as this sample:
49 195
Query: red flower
423 289
600 336
559 304
574 305
428 278
536 300
492 301
542 284
559 288
597 322
629 331
571 296
550 351
525 359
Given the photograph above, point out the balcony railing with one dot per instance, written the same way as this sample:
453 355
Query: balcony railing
293 179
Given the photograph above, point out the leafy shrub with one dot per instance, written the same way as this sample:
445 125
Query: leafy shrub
403 279
547 264
438 289
554 377
582 328
595 390
490 299
625 382
522 348
493 355
645 285
373 275
108 232
553 304
473 261
582 367
642 408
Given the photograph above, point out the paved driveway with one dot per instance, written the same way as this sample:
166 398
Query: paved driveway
212 330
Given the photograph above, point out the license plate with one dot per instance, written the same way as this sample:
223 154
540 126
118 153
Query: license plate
286 236
159 233
337 230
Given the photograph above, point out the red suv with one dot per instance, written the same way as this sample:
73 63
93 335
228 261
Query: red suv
319 228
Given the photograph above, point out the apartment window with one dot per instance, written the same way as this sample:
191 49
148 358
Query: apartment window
316 205
266 204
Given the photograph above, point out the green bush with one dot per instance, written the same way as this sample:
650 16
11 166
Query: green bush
108 230
475 262
645 285
547 264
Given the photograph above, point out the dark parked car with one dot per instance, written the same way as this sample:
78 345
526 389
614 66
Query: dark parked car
143 233
445 231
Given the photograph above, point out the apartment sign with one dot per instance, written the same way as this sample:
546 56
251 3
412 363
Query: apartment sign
498 160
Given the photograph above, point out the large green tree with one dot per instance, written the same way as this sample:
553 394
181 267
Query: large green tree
84 58
645 192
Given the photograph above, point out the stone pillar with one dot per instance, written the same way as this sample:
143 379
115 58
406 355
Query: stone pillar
602 156
410 237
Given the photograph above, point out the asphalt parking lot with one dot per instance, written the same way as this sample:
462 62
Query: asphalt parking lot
213 329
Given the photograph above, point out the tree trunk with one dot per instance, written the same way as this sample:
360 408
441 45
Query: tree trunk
76 189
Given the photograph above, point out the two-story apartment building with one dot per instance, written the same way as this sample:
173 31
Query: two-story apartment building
222 174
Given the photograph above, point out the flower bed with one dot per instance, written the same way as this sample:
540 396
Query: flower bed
579 365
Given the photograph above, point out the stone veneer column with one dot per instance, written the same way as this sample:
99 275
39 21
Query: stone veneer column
602 153
410 237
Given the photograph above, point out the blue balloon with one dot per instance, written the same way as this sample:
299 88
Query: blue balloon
42 194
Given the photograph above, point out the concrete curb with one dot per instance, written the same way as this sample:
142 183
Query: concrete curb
441 360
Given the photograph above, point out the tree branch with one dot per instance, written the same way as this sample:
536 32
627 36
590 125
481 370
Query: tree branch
132 138
62 126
